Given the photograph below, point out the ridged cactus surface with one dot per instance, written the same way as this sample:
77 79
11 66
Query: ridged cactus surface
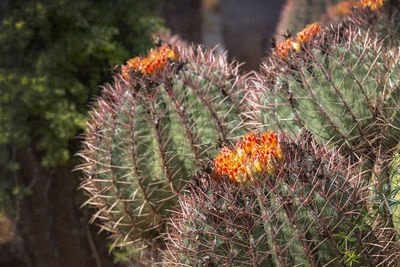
148 132
306 211
343 90
383 16
394 190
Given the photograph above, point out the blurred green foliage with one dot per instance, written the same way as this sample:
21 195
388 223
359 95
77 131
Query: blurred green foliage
54 54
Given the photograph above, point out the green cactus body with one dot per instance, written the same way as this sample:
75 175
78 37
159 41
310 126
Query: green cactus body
296 14
298 216
148 133
346 94
394 185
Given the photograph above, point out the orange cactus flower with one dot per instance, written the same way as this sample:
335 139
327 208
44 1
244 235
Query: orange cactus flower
283 48
252 156
372 4
308 33
270 140
156 59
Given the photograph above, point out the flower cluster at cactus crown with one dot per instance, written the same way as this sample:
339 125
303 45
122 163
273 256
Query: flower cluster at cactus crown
156 59
306 35
282 49
252 156
372 4
345 8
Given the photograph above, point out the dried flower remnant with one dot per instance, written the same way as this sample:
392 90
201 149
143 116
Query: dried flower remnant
156 59
252 156
372 4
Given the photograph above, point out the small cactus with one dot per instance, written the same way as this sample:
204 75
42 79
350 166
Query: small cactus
149 130
308 211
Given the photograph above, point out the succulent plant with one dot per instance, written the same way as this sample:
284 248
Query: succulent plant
342 86
149 130
307 210
263 202
382 15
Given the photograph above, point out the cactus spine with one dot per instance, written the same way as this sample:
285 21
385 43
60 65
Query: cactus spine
302 214
303 206
342 89
149 130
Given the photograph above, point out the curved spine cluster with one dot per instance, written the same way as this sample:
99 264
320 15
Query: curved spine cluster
148 133
299 215
265 201
343 90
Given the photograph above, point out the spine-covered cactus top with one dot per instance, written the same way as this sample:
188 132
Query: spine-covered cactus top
271 203
296 14
149 130
341 84
263 202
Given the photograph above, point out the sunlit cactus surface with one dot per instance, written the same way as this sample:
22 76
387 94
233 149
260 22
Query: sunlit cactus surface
342 85
299 209
150 129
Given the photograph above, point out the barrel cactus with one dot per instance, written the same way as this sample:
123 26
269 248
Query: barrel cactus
303 207
342 85
382 15
149 130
